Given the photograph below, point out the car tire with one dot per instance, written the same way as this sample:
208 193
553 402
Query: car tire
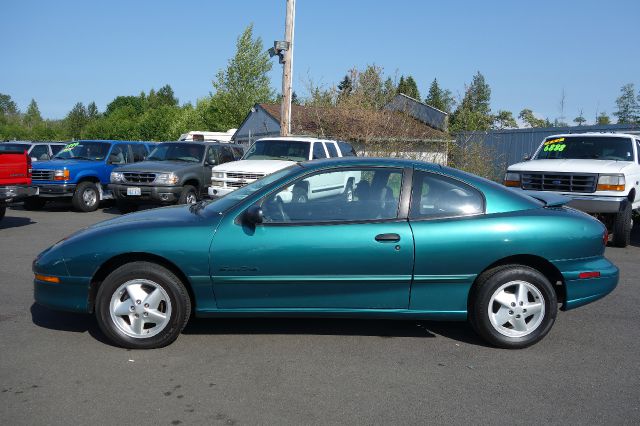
33 203
3 209
188 195
142 305
126 206
513 306
622 227
300 195
86 198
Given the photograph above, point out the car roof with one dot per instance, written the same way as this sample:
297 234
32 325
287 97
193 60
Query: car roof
593 134
203 143
368 161
296 138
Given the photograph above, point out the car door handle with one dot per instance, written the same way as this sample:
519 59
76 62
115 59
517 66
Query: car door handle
387 238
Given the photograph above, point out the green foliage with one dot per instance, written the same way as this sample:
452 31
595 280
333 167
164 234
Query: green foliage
580 120
7 105
527 116
439 98
76 120
504 120
474 112
408 87
135 103
345 87
242 84
92 111
32 117
603 119
628 106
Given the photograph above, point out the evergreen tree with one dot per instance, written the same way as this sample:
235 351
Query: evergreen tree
408 87
439 98
76 120
92 111
242 84
527 116
32 116
628 108
165 96
504 120
7 105
345 87
474 112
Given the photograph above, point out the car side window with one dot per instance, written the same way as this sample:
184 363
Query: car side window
139 152
333 152
213 155
346 149
56 148
226 155
118 154
40 152
638 149
318 151
344 195
434 196
237 153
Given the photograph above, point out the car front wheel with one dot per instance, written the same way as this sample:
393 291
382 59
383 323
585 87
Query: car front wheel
513 307
142 305
86 197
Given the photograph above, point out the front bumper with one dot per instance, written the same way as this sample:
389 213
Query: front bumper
161 194
592 203
8 193
56 190
70 294
218 191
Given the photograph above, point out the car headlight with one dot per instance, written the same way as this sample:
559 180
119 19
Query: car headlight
217 175
611 183
512 179
117 177
61 174
167 178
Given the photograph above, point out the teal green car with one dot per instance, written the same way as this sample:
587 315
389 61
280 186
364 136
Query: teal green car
371 238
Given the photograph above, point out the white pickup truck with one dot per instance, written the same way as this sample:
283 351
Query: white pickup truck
269 155
600 172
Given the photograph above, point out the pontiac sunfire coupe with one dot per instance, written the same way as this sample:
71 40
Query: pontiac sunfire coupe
404 239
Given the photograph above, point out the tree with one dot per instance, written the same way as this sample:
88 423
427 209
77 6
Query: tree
527 116
7 105
408 87
136 103
243 83
474 112
163 97
439 98
92 111
345 87
504 119
370 89
603 119
628 108
32 116
76 120
580 120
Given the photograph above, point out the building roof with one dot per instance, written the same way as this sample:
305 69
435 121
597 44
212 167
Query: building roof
355 124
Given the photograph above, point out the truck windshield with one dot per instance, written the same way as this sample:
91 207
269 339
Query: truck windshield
278 150
587 148
82 150
13 147
181 151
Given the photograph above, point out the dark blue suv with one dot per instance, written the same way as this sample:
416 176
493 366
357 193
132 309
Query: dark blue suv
81 171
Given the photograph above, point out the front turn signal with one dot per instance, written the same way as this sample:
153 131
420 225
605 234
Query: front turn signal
47 278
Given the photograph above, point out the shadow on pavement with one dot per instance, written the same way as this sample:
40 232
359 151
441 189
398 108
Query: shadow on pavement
15 222
67 321
458 331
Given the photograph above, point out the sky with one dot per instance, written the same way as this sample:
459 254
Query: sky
64 52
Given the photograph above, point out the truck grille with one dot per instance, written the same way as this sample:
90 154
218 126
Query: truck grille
137 177
246 176
561 182
42 174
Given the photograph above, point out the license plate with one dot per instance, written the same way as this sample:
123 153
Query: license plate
133 191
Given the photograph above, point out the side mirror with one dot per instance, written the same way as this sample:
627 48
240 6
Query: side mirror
253 215
34 159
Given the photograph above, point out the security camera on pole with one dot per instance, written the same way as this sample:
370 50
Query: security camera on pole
284 51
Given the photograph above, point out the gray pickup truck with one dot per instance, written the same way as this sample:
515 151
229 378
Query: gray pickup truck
174 172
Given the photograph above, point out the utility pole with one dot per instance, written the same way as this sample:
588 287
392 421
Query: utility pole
287 72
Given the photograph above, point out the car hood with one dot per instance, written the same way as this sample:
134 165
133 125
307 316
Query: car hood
172 215
64 164
156 166
254 166
571 166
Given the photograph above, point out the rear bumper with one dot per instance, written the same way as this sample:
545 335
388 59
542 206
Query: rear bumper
160 194
580 292
56 190
8 193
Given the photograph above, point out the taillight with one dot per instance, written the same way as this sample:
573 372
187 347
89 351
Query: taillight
29 169
605 237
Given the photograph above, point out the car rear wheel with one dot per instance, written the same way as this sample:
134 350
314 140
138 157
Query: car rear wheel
33 203
86 197
142 305
188 195
513 307
622 225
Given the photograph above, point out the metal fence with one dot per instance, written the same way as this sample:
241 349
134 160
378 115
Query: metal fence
510 146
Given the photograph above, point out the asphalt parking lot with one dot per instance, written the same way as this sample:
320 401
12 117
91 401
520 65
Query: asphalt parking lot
56 368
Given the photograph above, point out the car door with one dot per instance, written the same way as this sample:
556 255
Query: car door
449 228
320 254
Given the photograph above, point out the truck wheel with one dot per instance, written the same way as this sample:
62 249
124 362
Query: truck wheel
622 227
87 197
33 203
3 209
188 195
125 206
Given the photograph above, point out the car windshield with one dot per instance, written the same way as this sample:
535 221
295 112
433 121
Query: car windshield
182 151
13 147
82 150
278 150
233 198
587 147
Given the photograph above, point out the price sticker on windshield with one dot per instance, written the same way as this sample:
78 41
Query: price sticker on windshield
70 146
554 145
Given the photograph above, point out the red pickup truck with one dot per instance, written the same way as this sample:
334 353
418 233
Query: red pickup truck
15 175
